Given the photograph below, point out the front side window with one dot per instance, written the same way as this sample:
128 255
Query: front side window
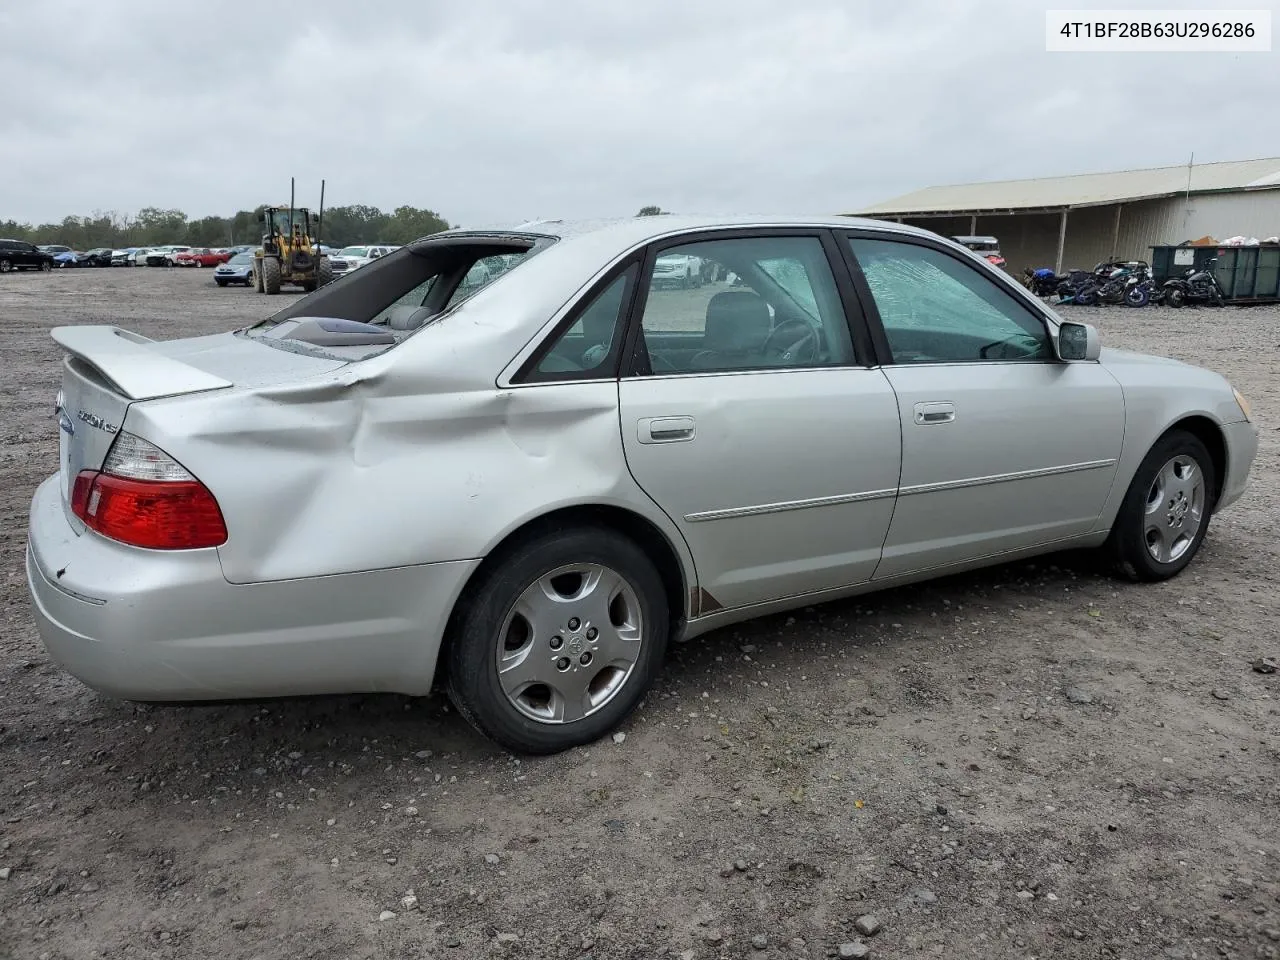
751 303
937 309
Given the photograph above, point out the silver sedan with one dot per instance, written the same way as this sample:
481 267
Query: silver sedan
512 462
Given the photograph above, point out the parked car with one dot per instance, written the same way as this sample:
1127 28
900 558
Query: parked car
20 255
593 469
986 247
677 270
138 257
166 256
53 249
123 257
360 255
97 257
239 269
201 257
68 259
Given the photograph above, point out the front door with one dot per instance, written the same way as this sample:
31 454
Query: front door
1003 445
746 417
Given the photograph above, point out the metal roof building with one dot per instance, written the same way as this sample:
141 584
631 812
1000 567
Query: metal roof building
1081 220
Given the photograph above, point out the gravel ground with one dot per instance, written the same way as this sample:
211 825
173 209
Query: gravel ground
1032 761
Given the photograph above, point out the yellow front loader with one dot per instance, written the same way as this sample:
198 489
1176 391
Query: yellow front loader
289 254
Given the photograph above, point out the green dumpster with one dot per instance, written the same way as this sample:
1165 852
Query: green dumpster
1169 261
1249 274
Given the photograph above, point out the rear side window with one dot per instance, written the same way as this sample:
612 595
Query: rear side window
588 349
743 303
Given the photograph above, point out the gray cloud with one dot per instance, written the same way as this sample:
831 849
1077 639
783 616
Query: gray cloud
492 111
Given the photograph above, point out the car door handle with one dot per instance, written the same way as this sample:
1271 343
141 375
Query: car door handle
665 429
937 412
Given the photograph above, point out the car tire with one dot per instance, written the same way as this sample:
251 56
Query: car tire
1169 503
6 266
566 578
45 266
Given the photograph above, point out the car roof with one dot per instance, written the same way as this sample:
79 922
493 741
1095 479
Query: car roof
631 230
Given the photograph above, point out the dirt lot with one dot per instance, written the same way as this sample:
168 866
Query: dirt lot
1033 761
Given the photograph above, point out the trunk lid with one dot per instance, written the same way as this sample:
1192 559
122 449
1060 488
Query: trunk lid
107 369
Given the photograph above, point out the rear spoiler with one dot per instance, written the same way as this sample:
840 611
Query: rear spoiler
132 367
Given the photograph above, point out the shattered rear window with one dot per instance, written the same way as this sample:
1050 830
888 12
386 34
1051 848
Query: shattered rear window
405 290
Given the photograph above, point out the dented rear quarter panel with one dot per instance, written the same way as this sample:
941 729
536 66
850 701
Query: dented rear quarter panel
414 456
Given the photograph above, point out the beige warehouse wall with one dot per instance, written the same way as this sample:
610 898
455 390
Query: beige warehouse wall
1031 240
1026 240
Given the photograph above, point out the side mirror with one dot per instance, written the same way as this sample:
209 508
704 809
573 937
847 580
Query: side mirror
1078 341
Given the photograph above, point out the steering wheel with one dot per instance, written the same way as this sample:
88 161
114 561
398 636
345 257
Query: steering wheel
791 340
660 364
1021 346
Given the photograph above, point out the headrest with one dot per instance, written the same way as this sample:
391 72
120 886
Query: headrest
736 320
407 317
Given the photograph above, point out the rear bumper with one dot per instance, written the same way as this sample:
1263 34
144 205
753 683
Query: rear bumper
1242 448
167 626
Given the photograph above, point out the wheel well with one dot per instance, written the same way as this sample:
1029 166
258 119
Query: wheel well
1210 434
643 533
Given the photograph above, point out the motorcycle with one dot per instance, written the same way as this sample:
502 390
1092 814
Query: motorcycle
1140 293
1086 287
1131 284
1042 282
1196 287
1110 282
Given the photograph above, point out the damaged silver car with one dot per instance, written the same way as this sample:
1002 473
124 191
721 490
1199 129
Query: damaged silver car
512 462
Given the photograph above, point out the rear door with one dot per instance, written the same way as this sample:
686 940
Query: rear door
749 418
1003 445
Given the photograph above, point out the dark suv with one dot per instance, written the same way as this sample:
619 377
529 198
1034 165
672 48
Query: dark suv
20 255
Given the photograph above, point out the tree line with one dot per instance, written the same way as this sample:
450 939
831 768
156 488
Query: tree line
152 226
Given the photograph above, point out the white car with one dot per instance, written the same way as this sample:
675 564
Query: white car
678 270
162 256
359 255
133 257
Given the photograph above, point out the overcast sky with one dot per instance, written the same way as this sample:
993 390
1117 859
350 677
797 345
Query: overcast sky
492 111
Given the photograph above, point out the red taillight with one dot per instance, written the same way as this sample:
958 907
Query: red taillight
159 514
